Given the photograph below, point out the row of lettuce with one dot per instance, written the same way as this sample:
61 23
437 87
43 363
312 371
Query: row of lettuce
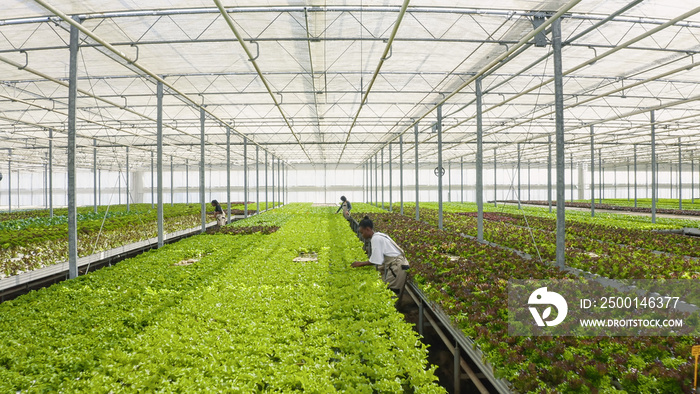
469 281
241 317
33 239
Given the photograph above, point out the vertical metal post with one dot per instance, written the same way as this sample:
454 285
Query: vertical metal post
376 182
245 177
159 160
279 181
415 133
172 183
461 180
228 174
365 176
593 174
635 175
46 197
629 196
692 178
559 112
72 203
479 165
94 174
391 182
529 189
128 189
368 169
518 168
600 176
449 181
257 179
382 172
187 181
495 180
680 180
152 183
549 173
50 191
272 175
653 167
9 180
401 171
571 176
439 167
202 197
266 201
421 314
457 369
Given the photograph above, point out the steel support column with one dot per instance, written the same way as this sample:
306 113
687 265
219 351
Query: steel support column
9 181
257 179
94 175
692 178
635 175
128 185
382 172
152 183
172 183
272 179
279 182
600 176
449 181
592 174
376 182
228 174
50 192
245 177
518 169
187 181
479 165
653 167
571 176
202 183
559 113
266 175
415 133
401 171
71 148
391 182
495 180
549 173
529 184
159 160
680 180
439 167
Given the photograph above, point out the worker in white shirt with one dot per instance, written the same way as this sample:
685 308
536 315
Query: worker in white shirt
387 256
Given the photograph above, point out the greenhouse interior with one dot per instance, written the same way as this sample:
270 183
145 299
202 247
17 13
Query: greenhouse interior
525 172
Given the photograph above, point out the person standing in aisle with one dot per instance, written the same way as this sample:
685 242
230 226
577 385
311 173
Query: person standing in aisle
345 206
218 213
386 255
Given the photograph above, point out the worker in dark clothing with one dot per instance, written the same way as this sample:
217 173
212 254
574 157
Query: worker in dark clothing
387 256
345 206
218 213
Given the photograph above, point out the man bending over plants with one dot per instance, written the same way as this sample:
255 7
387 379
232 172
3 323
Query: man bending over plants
386 255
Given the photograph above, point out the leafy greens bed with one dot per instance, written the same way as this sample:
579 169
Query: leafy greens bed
33 242
243 318
473 291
